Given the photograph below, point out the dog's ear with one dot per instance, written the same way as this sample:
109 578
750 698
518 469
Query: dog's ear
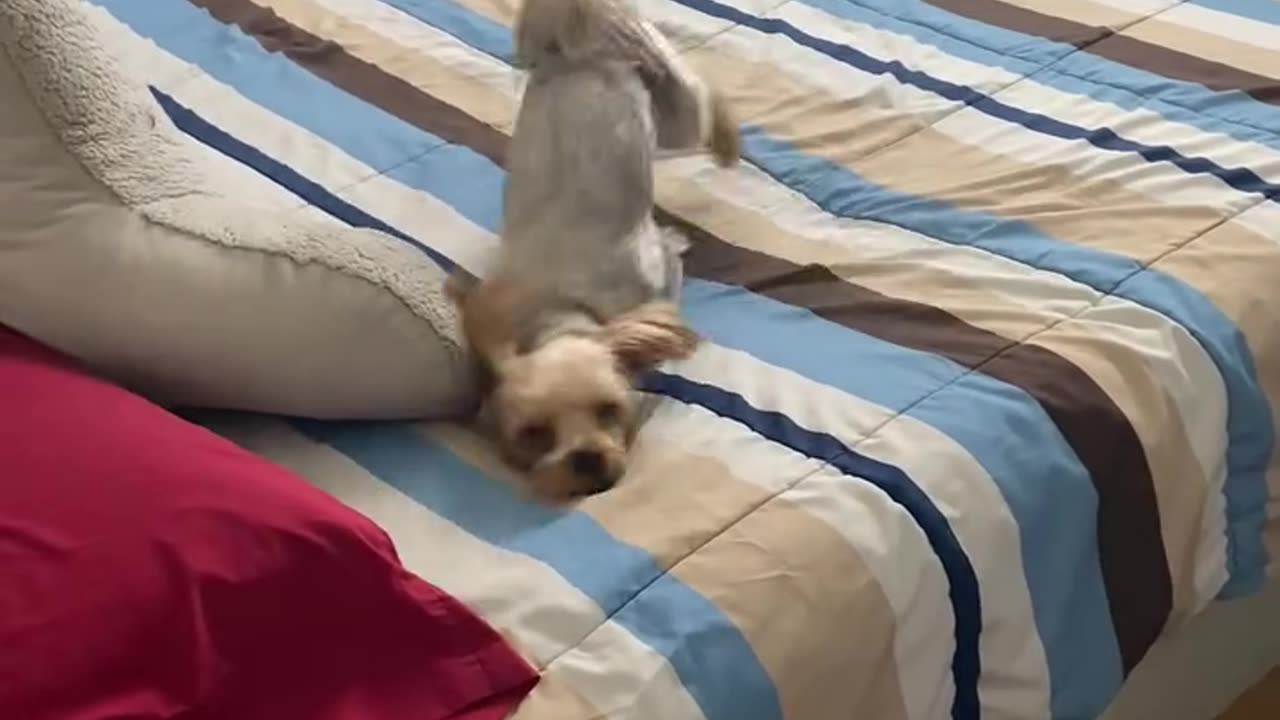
488 312
459 284
649 335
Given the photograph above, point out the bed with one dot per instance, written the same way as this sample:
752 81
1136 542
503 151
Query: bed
985 411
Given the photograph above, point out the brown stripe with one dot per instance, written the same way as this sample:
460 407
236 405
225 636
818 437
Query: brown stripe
1131 51
1029 22
1135 569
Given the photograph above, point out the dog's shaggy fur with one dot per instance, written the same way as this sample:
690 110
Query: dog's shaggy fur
583 295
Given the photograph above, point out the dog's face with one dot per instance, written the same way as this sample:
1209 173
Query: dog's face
563 413
564 410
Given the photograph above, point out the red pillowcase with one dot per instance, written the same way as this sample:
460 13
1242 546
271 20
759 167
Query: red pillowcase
150 569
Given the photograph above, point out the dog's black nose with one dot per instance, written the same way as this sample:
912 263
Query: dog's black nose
588 464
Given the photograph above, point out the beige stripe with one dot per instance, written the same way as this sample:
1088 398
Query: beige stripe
1210 47
1120 371
1081 11
502 12
794 588
843 129
674 502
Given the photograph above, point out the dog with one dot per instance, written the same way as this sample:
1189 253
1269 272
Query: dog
583 295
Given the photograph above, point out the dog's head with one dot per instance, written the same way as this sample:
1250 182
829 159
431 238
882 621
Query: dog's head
562 407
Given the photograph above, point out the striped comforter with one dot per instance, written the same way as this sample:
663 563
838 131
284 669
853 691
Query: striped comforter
986 405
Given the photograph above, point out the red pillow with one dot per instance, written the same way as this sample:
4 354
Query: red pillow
150 569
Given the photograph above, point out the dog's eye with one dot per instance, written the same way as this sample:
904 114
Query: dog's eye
537 437
608 412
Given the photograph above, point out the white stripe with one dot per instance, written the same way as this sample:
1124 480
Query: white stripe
548 619
1211 572
1235 28
955 482
1139 7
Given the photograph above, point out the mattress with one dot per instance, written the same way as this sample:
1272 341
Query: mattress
986 404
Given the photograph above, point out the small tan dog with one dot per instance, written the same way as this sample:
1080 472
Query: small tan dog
583 295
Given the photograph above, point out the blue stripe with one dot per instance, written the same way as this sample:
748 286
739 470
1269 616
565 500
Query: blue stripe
708 653
1242 179
1234 114
1261 10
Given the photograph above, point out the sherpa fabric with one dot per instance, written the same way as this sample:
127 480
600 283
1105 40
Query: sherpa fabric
123 243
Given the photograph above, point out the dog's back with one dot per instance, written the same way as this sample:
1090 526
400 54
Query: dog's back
581 159
579 194
604 92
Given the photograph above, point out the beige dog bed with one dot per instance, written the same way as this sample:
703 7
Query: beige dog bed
122 245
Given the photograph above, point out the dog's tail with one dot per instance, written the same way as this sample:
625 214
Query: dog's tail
688 113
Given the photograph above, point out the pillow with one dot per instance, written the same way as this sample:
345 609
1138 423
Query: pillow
150 569
123 245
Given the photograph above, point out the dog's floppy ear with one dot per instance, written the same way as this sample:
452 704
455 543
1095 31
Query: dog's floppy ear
488 309
648 335
459 284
